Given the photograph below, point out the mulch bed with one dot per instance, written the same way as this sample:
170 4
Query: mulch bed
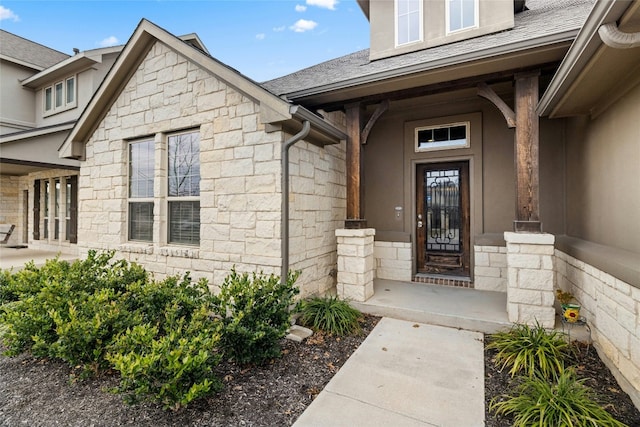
588 366
36 392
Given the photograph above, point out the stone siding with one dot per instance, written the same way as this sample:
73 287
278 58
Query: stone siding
490 272
318 208
240 187
531 278
356 268
393 260
611 308
10 206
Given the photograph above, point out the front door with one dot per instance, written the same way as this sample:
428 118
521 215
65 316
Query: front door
443 218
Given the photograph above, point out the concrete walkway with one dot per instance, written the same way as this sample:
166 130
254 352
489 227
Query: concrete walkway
15 259
406 374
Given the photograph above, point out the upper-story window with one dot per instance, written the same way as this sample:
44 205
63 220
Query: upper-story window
408 21
60 96
461 15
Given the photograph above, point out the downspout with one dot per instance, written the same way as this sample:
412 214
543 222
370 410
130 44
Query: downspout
284 223
613 37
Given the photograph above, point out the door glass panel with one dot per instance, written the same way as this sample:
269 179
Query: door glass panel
442 207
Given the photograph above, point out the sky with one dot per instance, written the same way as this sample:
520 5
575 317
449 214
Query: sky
263 39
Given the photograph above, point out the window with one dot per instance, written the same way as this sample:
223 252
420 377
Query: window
47 193
60 96
67 209
461 14
455 135
141 175
56 217
184 188
408 21
181 181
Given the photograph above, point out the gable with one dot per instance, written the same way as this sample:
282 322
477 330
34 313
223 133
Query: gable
145 39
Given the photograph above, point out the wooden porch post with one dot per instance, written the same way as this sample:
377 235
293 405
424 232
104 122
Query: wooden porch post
355 211
526 153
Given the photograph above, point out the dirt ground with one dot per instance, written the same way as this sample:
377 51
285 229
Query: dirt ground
36 392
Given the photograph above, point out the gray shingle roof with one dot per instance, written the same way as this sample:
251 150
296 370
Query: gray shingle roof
26 51
544 18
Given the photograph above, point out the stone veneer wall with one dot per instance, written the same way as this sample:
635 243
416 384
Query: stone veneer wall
10 206
611 308
490 272
318 207
240 190
393 260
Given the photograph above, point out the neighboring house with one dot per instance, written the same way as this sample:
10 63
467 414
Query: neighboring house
43 94
430 157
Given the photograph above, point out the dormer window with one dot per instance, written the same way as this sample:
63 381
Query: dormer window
60 96
461 15
408 21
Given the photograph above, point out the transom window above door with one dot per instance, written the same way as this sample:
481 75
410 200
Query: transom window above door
442 137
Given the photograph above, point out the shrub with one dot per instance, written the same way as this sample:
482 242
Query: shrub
255 314
564 402
172 364
530 349
330 314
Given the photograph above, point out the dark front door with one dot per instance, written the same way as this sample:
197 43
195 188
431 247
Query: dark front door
443 218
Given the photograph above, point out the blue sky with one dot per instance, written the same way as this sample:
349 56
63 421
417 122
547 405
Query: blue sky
262 39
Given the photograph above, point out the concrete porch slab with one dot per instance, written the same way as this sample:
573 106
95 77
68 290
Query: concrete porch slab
470 309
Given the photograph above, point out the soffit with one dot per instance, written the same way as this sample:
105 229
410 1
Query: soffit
606 76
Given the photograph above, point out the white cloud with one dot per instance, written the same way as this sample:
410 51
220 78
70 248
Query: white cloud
300 8
325 4
109 41
303 25
279 29
260 36
8 14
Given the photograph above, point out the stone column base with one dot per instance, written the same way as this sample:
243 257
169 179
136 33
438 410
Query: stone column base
355 263
531 278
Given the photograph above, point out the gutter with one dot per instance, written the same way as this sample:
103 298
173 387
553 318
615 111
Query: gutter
284 225
582 50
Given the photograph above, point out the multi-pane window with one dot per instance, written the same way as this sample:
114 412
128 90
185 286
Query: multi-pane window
462 14
141 176
60 96
455 135
408 21
183 175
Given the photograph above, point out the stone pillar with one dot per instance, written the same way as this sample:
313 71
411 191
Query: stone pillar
355 263
531 278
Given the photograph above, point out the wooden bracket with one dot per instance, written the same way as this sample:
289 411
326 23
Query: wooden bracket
486 92
382 107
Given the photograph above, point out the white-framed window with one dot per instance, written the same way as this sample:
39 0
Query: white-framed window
442 137
408 14
180 195
461 15
60 96
141 178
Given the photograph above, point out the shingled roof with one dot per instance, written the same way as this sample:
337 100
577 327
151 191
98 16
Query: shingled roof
546 21
28 53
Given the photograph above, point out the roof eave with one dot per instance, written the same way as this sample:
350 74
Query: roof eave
586 44
425 67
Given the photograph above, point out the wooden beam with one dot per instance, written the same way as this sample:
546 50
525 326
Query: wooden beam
486 92
527 137
355 218
380 110
426 90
